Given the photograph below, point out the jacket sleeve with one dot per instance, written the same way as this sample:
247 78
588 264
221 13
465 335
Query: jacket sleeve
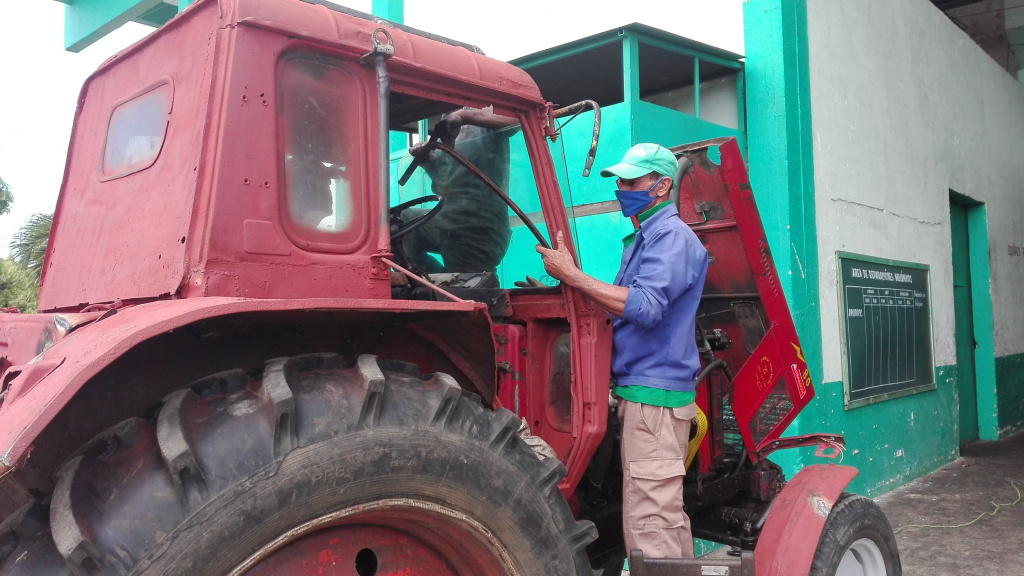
667 270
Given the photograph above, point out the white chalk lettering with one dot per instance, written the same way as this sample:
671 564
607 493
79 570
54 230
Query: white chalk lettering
881 275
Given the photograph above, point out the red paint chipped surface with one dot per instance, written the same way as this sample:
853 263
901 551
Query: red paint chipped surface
326 556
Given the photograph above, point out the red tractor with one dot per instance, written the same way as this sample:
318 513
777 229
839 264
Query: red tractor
231 374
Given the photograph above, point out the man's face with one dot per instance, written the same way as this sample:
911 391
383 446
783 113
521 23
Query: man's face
641 183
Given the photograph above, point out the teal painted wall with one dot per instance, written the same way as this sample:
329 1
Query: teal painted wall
653 123
570 150
890 442
895 441
1010 391
885 172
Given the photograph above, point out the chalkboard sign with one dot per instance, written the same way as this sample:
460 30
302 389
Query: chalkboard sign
887 328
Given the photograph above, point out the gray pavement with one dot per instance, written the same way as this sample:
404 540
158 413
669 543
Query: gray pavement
956 494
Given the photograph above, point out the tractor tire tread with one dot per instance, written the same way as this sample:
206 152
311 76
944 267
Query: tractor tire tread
182 464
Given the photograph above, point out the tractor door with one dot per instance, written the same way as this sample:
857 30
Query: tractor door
475 244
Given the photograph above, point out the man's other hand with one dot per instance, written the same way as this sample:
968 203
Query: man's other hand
448 129
558 261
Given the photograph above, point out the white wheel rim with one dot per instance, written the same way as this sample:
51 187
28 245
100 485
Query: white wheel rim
862 558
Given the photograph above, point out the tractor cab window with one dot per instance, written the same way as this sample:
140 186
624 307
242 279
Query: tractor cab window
458 185
136 132
322 172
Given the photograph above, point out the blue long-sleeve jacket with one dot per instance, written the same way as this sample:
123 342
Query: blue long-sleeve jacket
653 340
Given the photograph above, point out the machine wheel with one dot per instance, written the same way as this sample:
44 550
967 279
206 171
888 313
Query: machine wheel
857 540
317 466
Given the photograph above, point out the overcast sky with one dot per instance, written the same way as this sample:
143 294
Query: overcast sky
40 81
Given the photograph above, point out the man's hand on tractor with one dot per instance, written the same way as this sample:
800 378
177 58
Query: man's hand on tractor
558 261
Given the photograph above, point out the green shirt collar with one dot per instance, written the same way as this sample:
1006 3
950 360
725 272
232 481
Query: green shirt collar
628 239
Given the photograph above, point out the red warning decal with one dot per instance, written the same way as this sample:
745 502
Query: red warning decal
803 381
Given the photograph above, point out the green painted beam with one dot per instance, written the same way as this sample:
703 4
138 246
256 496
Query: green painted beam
86 21
392 10
531 60
670 47
159 15
630 73
741 111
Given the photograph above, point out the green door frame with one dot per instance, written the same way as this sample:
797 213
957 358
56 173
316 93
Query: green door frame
963 324
981 296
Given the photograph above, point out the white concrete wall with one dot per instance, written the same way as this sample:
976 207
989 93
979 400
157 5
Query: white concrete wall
905 107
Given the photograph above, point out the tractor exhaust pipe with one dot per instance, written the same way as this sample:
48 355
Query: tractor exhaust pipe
378 58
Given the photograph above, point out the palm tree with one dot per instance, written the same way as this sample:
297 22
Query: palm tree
6 197
19 288
28 246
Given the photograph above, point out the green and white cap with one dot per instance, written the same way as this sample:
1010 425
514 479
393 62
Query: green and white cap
643 159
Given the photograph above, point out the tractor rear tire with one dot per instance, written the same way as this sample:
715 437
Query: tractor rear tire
317 466
857 540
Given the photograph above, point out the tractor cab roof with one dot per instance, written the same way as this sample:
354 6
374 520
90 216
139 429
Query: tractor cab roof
165 131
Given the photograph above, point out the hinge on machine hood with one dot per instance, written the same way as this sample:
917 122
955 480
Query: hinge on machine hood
829 445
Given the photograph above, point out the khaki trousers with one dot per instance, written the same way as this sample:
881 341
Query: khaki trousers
654 442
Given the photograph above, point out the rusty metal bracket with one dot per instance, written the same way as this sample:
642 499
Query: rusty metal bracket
828 445
115 305
380 49
575 110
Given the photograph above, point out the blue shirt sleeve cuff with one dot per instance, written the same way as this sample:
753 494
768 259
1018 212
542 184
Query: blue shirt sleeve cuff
632 307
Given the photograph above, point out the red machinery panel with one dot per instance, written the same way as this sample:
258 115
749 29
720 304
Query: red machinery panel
743 305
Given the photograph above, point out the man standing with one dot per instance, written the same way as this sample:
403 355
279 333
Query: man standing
654 358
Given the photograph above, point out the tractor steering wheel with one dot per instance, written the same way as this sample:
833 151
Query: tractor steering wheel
400 228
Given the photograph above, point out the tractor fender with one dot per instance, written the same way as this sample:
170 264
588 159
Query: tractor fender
797 516
72 361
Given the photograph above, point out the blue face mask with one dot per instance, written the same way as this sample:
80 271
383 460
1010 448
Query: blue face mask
633 202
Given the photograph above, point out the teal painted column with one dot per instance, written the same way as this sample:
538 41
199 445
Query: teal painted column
781 163
696 87
182 4
630 79
394 11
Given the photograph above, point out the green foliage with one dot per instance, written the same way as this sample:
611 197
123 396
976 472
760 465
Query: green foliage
18 287
28 246
6 198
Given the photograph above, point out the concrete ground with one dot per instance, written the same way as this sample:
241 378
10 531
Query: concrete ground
956 494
